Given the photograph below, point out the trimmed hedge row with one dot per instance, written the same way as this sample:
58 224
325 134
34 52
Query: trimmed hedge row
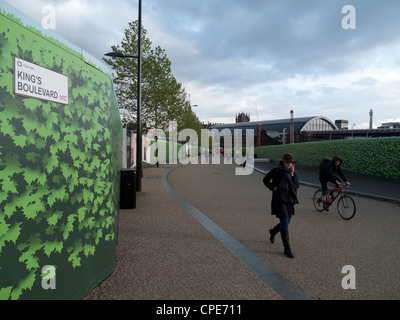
374 157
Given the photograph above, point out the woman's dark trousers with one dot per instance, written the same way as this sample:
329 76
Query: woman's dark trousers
283 228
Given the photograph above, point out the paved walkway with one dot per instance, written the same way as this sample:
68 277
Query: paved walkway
164 253
201 234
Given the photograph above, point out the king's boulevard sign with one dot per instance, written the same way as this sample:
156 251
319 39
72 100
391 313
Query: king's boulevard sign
37 82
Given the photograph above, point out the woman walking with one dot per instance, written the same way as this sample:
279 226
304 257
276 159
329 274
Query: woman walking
283 183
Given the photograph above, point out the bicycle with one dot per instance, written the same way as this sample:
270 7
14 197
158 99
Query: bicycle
345 205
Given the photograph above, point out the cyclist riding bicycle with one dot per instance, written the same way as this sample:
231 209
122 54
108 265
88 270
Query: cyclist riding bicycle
327 174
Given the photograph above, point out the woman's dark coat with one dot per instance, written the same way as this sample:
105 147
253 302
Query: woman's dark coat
285 197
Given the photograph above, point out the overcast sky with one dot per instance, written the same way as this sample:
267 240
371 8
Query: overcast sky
261 57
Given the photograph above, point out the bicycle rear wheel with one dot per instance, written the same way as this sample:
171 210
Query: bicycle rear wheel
318 204
346 207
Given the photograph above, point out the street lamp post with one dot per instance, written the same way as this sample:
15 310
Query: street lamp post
139 98
119 55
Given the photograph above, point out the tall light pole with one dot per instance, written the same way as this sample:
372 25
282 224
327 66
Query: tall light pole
139 99
291 127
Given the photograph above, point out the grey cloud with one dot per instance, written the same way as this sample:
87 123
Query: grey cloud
296 37
241 47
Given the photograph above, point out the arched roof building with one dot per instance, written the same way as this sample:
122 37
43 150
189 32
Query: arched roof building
276 131
316 123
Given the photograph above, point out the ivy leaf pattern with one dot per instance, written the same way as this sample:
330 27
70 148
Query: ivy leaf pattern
59 164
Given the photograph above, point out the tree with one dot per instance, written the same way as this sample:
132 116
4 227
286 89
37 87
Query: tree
163 98
189 119
125 77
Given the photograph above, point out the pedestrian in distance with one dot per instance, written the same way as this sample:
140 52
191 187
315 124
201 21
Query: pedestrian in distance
283 183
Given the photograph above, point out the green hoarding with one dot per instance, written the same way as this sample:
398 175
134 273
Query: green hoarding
60 161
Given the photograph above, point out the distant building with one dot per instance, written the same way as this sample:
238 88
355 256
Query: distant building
342 124
278 131
306 129
371 115
209 124
390 125
241 117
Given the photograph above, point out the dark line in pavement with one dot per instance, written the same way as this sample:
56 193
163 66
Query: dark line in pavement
271 277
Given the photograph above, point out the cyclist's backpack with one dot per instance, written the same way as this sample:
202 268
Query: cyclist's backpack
324 161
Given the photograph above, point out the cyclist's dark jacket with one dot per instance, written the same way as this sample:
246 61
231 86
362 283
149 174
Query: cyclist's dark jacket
285 197
327 172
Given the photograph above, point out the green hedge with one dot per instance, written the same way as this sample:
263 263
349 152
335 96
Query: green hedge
378 157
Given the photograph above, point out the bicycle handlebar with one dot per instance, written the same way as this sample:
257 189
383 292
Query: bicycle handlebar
338 187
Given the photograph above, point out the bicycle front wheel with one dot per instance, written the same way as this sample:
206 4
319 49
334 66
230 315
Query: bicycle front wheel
346 207
318 203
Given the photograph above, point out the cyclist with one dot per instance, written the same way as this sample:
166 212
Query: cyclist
327 174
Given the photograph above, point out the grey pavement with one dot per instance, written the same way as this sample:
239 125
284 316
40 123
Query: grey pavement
200 232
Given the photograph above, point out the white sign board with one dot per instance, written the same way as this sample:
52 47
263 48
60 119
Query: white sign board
37 82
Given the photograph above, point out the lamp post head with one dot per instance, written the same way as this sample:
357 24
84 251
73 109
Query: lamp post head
119 55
